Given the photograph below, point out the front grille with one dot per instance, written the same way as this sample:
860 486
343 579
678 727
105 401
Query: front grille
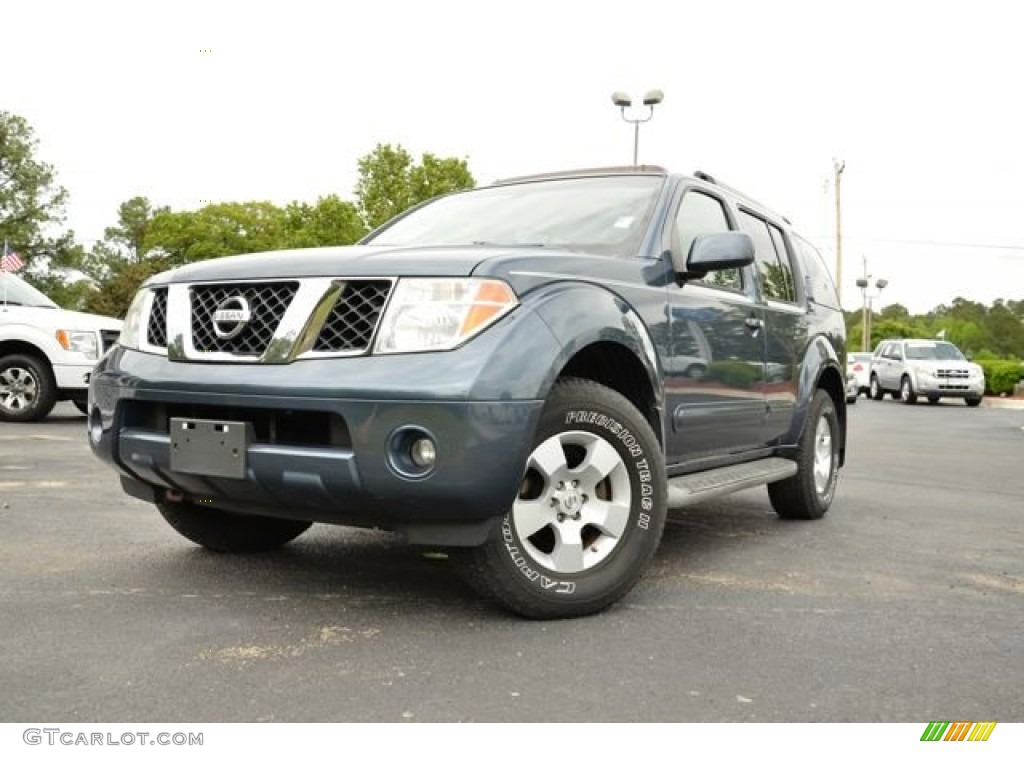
109 338
951 373
156 328
350 325
267 304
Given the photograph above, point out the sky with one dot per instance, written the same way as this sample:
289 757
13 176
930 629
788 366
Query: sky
194 102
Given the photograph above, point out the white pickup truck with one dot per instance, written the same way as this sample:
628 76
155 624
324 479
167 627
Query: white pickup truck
46 353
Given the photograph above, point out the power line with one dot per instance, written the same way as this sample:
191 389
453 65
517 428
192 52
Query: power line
941 243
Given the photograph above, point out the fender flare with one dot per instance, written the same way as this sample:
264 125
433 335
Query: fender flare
581 315
819 356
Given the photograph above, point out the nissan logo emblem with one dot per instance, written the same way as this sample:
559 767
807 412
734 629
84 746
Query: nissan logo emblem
231 317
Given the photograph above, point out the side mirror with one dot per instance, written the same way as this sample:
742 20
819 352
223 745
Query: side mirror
720 250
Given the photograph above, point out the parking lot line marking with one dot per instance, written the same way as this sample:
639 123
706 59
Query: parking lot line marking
55 438
11 483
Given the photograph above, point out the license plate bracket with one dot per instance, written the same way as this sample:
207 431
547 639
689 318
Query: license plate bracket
210 447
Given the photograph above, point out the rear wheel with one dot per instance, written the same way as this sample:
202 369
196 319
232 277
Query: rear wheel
227 532
907 394
27 389
933 399
589 514
808 494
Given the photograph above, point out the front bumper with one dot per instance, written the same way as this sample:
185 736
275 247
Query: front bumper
314 457
926 386
72 377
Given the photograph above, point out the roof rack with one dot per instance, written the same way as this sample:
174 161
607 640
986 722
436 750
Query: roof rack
618 170
707 177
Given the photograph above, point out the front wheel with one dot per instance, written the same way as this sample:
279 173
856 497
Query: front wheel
875 390
227 532
974 402
27 389
808 494
589 514
907 394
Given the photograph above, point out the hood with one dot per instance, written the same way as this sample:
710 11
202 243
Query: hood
56 319
349 261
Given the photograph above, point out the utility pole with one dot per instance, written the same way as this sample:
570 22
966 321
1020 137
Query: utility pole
839 166
865 333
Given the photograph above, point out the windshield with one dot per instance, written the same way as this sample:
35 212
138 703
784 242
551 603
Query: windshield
14 290
933 350
606 214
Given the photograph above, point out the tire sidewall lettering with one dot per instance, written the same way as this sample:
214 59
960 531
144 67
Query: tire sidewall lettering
642 479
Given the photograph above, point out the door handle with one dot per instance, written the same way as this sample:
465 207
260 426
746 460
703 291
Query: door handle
754 323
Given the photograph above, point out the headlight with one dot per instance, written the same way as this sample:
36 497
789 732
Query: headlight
131 328
85 342
433 314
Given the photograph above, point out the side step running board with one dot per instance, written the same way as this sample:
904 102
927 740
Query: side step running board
712 483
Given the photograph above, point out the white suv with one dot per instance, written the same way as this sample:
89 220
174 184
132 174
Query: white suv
912 368
46 353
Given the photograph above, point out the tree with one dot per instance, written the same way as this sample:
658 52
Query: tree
128 236
120 285
220 229
330 221
390 182
30 199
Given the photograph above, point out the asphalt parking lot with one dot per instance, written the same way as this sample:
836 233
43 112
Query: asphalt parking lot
903 604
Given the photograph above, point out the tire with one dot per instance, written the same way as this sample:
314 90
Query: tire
808 494
875 390
226 532
907 394
28 391
589 515
933 399
82 406
851 400
973 402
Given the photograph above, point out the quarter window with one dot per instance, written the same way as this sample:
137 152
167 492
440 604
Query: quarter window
701 214
818 278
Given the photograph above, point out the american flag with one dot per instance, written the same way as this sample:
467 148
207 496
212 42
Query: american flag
10 261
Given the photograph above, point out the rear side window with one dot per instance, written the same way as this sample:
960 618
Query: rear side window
819 282
701 214
774 271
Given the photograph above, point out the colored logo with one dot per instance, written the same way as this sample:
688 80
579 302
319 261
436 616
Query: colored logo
958 731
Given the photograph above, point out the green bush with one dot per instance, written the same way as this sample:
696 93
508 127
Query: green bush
1000 375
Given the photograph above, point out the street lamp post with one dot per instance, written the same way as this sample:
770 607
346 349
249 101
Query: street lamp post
623 101
863 283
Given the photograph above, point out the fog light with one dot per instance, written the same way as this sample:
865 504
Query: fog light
423 452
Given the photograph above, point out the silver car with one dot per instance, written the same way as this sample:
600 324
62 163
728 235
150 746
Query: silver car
912 368
858 365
